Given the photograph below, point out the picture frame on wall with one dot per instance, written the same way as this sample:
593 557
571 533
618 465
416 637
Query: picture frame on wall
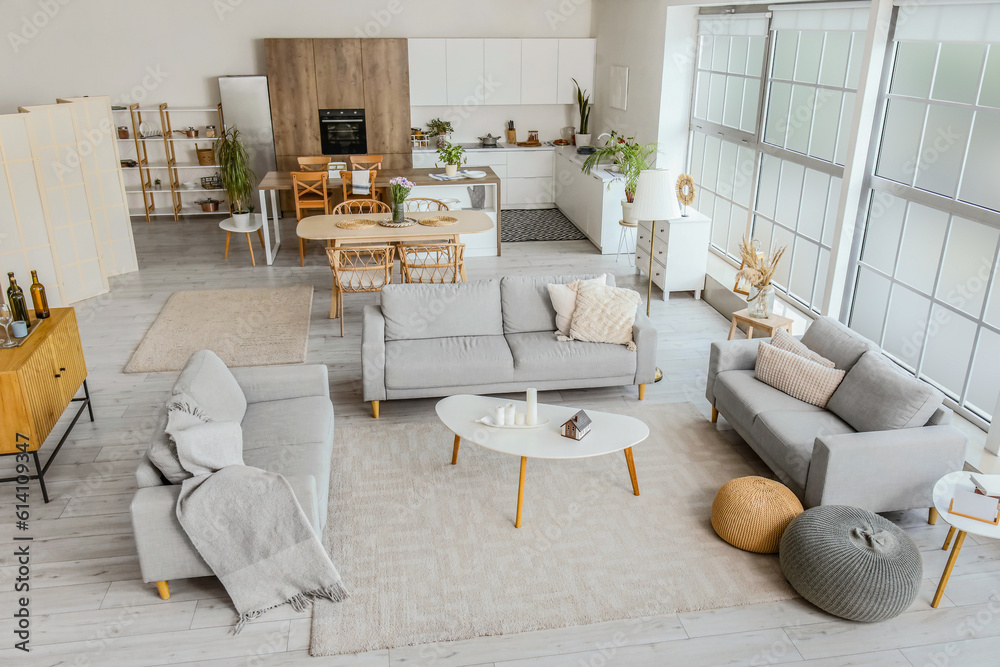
619 87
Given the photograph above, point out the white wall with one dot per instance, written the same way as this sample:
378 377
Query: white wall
175 50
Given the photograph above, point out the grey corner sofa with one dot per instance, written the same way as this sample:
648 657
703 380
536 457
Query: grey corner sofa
488 336
816 453
287 429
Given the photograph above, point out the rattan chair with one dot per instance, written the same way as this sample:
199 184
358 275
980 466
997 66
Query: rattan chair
358 269
432 262
313 162
362 206
420 204
310 193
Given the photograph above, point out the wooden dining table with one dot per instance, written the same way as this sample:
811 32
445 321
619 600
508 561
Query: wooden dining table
324 228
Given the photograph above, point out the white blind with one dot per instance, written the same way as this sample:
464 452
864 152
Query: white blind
851 16
948 22
732 24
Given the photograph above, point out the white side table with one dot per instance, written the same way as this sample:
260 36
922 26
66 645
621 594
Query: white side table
255 224
944 491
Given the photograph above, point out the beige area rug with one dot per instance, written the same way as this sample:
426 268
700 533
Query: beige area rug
430 553
245 327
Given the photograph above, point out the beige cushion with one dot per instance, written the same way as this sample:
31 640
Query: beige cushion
797 376
604 314
564 300
786 341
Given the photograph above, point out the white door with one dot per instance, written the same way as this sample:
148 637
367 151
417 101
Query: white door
502 71
428 85
539 70
576 61
464 59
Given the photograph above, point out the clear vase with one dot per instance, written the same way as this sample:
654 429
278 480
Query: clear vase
398 213
760 302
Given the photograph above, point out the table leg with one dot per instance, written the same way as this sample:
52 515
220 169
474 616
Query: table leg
732 329
749 332
277 226
454 452
948 568
947 540
265 226
520 491
631 470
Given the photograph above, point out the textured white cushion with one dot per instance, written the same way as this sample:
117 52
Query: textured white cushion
796 376
786 341
564 300
604 314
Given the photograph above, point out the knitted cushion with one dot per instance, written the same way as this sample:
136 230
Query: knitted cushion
796 376
851 563
751 513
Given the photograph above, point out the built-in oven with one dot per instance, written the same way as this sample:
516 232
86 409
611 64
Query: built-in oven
342 131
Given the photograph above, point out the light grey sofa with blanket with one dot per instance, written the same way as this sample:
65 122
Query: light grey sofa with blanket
287 423
815 452
488 336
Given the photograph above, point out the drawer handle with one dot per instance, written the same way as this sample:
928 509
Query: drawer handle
62 370
58 376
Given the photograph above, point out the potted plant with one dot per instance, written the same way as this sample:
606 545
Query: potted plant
156 184
758 270
583 103
451 155
441 129
238 179
630 157
399 190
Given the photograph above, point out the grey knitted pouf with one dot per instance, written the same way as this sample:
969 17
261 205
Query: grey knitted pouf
851 563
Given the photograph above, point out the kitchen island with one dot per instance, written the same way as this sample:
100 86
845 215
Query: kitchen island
425 186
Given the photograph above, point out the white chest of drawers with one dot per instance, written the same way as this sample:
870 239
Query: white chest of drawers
680 252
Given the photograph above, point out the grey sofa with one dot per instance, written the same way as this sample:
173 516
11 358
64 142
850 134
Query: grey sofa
817 454
485 337
287 429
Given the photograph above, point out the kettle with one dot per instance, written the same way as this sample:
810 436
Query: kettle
489 141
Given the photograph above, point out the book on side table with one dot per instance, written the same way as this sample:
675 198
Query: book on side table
987 485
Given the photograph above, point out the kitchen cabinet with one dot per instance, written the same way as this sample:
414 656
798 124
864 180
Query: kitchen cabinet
592 201
525 174
576 61
291 82
339 73
464 68
530 164
387 100
428 83
539 71
502 71
680 252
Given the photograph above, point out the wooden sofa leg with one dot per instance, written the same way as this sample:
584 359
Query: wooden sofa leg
164 590
642 391
715 414
375 409
932 516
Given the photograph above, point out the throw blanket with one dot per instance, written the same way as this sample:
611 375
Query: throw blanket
246 523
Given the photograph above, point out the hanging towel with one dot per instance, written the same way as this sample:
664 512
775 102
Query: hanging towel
360 182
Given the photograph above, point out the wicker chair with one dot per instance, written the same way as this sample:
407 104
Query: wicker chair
358 269
432 262
420 204
362 206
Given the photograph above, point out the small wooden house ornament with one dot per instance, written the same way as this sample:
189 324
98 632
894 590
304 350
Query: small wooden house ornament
577 426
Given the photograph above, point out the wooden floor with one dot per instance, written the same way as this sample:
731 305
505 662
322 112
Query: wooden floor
90 607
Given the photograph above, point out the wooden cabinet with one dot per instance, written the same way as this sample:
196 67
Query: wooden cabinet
428 84
38 380
539 71
680 252
291 82
502 71
576 61
387 99
464 67
339 74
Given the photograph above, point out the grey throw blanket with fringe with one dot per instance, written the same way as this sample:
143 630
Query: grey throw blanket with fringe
249 528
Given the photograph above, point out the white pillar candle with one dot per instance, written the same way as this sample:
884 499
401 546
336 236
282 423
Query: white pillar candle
519 418
508 417
532 417
498 415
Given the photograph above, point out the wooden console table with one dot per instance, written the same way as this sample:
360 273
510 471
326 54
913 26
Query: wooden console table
38 381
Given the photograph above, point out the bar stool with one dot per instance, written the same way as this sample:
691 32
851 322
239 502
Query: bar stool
623 238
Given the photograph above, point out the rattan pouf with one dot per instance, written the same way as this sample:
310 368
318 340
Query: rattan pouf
751 513
851 563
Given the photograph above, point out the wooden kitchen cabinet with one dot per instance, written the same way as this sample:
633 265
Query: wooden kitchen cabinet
291 83
387 99
539 71
339 73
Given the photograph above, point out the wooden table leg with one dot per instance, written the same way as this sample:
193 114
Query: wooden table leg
253 262
520 491
454 452
732 329
302 251
229 235
947 540
948 568
749 332
631 470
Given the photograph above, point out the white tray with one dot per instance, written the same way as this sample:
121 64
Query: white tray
482 420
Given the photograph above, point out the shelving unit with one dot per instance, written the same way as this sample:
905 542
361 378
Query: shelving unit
177 150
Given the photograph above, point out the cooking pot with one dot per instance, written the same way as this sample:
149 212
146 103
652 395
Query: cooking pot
489 141
190 132
209 205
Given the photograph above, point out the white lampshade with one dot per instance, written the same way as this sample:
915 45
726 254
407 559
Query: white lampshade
656 196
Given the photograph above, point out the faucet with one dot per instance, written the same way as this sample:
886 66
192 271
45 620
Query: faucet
603 134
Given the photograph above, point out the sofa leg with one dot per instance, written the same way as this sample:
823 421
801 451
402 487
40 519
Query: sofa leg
164 590
715 414
642 391
932 516
375 409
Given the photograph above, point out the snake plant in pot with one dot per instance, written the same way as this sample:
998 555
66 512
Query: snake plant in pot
630 157
583 104
238 179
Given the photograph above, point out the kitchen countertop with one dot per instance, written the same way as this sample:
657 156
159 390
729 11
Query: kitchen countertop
282 180
569 152
475 146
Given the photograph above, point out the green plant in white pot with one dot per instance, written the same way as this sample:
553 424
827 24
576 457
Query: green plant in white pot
630 157
238 179
583 104
451 155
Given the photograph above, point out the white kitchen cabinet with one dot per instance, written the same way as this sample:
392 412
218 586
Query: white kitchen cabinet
529 192
502 71
539 71
530 164
680 252
464 65
576 61
428 84
592 201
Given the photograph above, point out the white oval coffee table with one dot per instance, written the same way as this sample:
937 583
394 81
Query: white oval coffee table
609 433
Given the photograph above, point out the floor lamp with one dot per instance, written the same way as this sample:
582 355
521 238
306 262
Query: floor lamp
655 199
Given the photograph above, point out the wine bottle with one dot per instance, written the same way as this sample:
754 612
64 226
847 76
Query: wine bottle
38 300
16 299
